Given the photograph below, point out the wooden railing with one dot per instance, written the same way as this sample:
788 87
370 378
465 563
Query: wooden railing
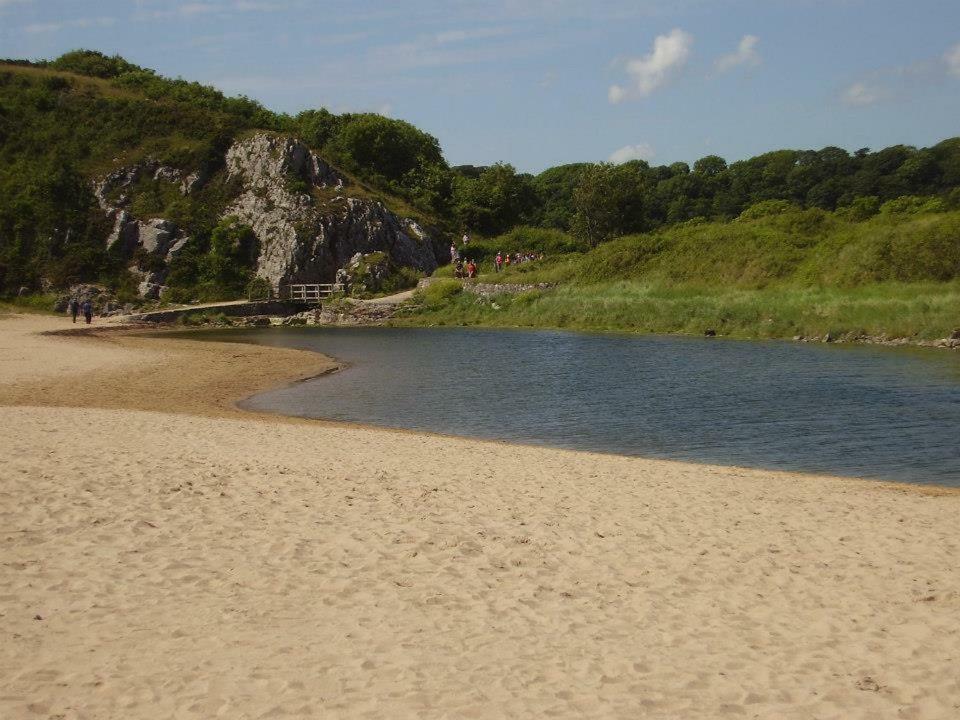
312 293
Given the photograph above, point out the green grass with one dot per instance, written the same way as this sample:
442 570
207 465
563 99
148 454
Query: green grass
802 273
920 311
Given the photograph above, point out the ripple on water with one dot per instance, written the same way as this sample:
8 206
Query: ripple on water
860 411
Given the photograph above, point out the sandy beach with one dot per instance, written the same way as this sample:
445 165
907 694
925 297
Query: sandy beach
165 555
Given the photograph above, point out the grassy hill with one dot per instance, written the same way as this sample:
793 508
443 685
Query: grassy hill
66 123
792 272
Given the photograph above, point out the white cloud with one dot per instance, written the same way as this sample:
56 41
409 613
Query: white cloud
268 7
190 9
641 151
454 36
37 28
860 95
745 54
670 53
952 58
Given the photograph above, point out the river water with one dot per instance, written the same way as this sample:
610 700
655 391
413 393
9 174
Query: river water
858 411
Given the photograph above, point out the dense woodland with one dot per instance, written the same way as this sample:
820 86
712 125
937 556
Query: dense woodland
70 120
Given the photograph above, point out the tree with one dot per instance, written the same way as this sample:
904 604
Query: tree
386 147
496 201
232 255
710 166
597 201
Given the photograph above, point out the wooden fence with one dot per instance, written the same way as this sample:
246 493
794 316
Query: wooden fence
312 293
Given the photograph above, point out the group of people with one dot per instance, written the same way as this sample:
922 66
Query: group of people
502 261
461 270
468 268
75 307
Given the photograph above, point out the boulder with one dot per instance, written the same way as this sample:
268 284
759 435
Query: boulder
156 236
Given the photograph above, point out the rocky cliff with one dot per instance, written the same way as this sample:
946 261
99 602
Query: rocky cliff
300 208
303 238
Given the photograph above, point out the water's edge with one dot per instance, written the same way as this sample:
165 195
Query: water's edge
371 388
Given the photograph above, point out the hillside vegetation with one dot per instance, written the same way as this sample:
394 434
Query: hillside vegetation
775 272
788 242
67 123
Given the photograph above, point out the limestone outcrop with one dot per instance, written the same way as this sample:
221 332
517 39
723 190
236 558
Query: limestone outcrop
299 207
156 236
307 225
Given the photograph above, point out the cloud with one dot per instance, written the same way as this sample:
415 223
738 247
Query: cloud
952 59
190 9
185 10
37 28
641 151
252 6
746 54
454 36
861 95
669 55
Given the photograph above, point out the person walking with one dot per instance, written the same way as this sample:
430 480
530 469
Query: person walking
73 307
87 308
466 239
498 262
454 255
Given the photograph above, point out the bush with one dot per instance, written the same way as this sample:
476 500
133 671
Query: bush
862 208
259 289
768 208
912 205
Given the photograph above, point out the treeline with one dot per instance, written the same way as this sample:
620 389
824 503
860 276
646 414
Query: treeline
600 201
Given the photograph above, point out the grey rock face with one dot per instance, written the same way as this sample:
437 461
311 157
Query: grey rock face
302 240
294 201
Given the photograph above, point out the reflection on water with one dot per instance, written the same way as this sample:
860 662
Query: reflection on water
867 412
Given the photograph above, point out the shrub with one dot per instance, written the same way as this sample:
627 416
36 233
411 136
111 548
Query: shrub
259 289
912 205
862 208
767 208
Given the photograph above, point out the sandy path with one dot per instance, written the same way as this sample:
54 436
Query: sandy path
193 567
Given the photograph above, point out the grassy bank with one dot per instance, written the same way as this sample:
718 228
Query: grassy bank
780 275
923 311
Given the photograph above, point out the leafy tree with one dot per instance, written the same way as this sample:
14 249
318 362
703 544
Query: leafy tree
494 202
232 255
710 166
386 147
597 200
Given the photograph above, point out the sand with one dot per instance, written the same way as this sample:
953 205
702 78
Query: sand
163 555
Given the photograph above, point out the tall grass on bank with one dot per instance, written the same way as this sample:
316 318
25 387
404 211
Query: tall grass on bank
918 310
805 272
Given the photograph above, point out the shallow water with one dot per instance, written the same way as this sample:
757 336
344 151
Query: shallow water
858 411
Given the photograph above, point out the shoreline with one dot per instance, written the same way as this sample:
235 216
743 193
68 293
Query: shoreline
189 559
303 365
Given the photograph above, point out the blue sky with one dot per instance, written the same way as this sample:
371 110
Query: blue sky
543 82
